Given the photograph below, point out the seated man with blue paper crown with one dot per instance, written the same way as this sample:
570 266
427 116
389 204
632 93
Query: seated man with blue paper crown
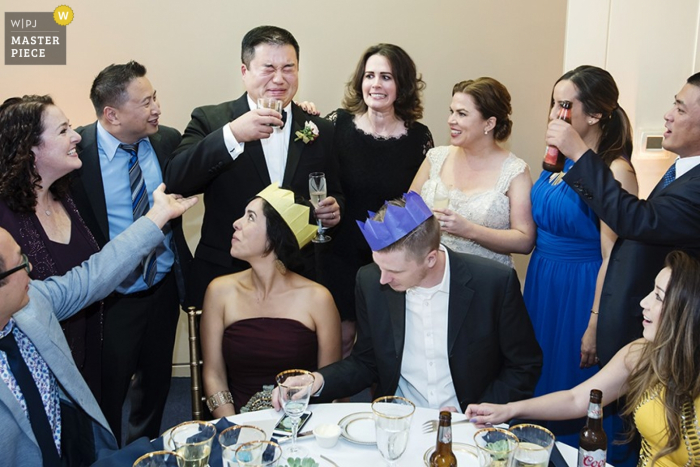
440 328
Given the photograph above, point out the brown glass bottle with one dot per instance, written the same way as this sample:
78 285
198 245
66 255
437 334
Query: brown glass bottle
443 455
592 442
553 158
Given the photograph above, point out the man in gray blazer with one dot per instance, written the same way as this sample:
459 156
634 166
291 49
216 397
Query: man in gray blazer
30 312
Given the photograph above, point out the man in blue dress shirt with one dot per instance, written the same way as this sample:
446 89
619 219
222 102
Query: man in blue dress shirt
122 151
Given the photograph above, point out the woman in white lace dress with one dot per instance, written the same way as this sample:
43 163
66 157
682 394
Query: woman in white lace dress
488 188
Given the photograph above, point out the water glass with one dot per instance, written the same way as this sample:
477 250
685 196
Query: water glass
193 440
295 388
392 420
259 454
535 445
233 437
160 459
495 447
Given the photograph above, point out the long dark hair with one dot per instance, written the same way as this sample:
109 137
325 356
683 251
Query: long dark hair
598 94
671 361
280 238
21 126
409 85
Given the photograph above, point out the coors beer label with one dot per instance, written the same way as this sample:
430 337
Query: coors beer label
591 458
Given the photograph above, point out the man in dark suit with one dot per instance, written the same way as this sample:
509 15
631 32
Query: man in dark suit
647 229
440 328
124 149
233 150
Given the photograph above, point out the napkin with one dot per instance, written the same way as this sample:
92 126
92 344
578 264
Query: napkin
128 454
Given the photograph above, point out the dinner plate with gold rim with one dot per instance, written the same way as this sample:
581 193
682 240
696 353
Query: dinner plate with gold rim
359 428
465 454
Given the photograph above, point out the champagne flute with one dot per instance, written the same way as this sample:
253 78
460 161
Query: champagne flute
441 198
295 390
318 192
392 420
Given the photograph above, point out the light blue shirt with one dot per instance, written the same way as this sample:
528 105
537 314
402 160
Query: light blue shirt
114 164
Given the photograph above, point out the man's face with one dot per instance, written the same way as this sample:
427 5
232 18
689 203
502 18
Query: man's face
138 116
682 134
13 294
401 270
273 72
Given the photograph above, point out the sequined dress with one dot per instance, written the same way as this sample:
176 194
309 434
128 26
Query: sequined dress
651 423
489 208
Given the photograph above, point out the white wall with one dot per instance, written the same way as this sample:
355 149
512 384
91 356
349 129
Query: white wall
650 48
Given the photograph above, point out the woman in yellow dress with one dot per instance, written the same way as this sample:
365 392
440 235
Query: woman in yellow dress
658 374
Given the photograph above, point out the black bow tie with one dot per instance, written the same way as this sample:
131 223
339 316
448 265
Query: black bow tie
284 119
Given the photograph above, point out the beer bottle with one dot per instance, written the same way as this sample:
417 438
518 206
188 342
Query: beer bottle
553 158
592 442
443 455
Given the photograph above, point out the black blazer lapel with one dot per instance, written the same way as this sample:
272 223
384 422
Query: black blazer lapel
461 297
91 178
295 147
252 148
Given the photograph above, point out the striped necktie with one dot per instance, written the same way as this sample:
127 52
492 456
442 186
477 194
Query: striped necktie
669 176
139 205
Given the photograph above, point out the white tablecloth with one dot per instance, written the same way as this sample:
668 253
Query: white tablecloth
348 454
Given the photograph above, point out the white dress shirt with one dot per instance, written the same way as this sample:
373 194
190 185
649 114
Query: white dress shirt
275 147
686 164
425 368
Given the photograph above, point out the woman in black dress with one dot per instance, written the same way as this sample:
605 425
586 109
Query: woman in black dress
380 145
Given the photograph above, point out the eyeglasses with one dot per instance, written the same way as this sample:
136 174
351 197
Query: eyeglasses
23 265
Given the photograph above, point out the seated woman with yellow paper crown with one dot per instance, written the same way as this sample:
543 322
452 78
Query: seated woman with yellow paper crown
266 319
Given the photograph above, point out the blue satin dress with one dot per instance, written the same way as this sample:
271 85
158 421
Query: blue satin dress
560 286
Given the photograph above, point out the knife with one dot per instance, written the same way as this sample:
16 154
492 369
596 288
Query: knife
299 435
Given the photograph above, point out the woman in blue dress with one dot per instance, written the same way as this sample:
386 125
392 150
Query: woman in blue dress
567 268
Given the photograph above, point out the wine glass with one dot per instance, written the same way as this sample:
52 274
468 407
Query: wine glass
233 437
318 192
392 420
193 440
160 459
261 453
295 390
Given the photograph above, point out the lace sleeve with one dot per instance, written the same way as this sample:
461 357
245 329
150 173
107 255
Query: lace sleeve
512 167
428 142
332 117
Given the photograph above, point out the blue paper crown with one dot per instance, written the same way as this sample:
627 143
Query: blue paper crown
398 222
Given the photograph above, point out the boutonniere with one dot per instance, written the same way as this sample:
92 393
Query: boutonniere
308 134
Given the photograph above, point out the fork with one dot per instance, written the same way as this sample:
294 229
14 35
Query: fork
432 425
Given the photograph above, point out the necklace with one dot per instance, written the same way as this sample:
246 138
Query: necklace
47 212
386 132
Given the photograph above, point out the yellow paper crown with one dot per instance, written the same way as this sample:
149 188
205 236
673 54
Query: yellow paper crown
296 216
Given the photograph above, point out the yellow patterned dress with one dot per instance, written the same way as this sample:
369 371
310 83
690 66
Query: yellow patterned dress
651 423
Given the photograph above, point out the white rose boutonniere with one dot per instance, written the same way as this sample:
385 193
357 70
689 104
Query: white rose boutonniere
308 134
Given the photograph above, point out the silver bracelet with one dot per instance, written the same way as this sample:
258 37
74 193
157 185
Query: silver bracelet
217 400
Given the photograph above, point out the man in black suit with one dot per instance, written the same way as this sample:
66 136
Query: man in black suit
140 318
440 328
647 229
233 150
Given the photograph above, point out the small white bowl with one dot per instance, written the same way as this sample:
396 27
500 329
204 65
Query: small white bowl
327 435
